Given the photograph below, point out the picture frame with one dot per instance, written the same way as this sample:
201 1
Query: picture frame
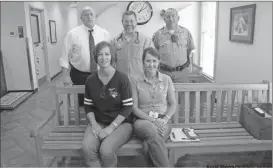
242 23
53 33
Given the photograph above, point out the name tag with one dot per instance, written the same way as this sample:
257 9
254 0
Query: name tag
153 114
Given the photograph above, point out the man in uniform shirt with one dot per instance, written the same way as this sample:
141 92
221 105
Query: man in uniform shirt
129 46
77 60
175 44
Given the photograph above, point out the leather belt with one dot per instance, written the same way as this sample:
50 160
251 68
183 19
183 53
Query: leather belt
171 69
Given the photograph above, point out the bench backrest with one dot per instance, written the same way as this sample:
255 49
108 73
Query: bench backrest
197 102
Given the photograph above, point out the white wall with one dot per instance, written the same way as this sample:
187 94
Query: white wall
110 15
190 19
237 62
14 48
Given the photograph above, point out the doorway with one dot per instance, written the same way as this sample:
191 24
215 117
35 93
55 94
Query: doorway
39 45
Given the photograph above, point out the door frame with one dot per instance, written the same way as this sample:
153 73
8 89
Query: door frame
43 34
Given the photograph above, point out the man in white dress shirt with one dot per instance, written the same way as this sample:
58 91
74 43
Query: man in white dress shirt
77 60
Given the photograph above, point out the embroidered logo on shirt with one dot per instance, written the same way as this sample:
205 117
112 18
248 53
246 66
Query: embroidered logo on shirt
113 92
161 87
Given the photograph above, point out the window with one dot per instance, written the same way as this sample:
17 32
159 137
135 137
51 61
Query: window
208 25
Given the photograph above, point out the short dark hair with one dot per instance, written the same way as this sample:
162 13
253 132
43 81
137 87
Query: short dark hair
152 51
128 13
102 45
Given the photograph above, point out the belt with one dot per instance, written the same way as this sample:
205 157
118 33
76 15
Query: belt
171 69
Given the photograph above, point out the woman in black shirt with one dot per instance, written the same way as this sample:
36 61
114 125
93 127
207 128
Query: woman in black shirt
108 104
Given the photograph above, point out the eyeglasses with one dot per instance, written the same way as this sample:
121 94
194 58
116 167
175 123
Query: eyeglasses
103 93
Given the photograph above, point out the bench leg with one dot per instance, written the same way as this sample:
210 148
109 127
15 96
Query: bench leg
172 156
38 144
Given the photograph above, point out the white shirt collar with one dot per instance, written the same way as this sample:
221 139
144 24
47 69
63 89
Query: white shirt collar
87 28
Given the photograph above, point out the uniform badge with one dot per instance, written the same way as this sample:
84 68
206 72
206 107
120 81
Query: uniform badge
161 87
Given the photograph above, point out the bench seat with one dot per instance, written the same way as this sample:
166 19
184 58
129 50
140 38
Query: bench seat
222 137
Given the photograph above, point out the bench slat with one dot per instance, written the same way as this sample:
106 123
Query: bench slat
69 138
208 106
226 138
216 142
218 106
66 107
219 143
217 134
209 125
220 130
197 103
187 107
230 107
239 102
79 129
176 114
77 109
201 133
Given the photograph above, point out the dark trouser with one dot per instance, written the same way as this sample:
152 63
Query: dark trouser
79 78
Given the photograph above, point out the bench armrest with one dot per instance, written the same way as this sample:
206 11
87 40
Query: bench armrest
35 131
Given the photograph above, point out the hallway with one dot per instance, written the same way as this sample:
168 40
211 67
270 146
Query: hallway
17 148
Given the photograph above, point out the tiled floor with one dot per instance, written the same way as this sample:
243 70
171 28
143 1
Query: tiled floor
18 150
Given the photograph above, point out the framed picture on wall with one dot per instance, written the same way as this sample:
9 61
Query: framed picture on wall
242 21
52 28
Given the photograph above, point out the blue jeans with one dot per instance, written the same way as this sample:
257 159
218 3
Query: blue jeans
103 153
155 144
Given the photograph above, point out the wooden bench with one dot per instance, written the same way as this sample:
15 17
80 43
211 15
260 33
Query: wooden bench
214 114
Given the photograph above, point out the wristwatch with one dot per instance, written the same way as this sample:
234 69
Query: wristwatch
167 117
115 125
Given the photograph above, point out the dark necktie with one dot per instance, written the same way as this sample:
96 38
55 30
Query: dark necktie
93 65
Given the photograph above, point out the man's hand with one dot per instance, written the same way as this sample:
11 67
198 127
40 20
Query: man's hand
106 131
67 81
66 77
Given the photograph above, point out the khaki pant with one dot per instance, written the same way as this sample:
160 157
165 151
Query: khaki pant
154 144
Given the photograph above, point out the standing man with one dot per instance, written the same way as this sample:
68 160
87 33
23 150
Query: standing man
129 46
175 44
77 60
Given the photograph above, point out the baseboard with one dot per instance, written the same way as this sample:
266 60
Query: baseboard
54 76
35 90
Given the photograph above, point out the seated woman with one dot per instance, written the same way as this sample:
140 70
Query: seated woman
108 104
154 105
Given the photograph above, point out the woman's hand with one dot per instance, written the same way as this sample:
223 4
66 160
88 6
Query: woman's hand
105 132
95 129
162 126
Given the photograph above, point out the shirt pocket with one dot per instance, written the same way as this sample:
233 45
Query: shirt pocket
165 46
182 42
